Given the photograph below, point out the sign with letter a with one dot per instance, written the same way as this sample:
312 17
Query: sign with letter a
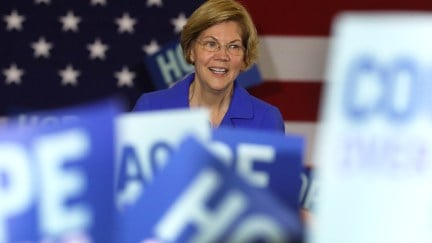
145 141
374 148
196 198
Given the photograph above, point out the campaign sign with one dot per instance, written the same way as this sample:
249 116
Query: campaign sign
35 119
196 198
374 146
309 189
56 181
168 65
270 161
144 142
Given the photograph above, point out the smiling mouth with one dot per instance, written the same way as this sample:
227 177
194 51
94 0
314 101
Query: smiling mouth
219 70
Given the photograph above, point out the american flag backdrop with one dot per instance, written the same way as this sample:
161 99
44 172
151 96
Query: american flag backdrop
294 43
63 52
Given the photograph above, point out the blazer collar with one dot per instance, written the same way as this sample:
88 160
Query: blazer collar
241 103
180 91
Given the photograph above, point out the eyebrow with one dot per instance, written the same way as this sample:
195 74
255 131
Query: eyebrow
215 39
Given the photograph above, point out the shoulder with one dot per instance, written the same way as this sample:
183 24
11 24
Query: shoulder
265 110
270 116
151 100
170 98
262 114
259 106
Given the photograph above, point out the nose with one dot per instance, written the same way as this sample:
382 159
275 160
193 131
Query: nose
223 53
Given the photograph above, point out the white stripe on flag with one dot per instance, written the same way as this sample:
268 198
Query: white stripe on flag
285 58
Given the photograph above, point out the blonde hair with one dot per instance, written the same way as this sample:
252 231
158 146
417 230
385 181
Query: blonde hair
214 12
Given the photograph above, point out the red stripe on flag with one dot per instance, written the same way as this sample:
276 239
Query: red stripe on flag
298 101
298 17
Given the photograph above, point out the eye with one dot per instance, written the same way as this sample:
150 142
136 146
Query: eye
211 44
234 47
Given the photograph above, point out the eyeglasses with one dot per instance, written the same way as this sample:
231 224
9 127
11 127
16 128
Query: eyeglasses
214 46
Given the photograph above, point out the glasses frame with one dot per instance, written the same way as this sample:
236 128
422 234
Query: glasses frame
204 44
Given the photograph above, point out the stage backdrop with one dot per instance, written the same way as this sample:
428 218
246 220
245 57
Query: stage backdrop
57 53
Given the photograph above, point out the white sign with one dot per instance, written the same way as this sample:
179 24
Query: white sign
374 147
144 142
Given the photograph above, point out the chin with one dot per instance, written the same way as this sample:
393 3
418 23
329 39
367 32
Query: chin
221 89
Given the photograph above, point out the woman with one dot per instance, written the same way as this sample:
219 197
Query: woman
221 41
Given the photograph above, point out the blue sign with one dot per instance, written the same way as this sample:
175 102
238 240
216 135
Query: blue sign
56 182
271 161
195 198
168 65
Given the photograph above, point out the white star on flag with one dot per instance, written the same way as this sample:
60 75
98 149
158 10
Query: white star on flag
69 75
68 48
125 23
125 77
151 48
154 2
70 22
179 22
47 2
96 2
41 48
13 74
97 49
14 21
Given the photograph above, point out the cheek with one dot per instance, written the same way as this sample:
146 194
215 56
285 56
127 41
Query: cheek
243 66
197 57
202 58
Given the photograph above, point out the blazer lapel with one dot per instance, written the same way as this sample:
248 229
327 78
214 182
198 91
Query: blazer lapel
241 109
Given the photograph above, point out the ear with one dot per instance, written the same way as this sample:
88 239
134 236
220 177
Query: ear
192 55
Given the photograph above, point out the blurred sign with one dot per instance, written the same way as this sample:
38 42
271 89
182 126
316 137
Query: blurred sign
144 142
374 145
270 161
206 203
168 66
56 181
309 189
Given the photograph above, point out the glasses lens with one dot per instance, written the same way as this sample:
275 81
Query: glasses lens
236 50
213 46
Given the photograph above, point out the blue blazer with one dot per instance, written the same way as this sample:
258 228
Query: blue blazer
244 111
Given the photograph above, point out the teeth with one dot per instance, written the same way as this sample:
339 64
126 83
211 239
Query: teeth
219 70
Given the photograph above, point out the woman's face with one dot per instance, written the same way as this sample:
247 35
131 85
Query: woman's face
216 69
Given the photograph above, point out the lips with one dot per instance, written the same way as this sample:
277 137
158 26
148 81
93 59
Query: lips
218 70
